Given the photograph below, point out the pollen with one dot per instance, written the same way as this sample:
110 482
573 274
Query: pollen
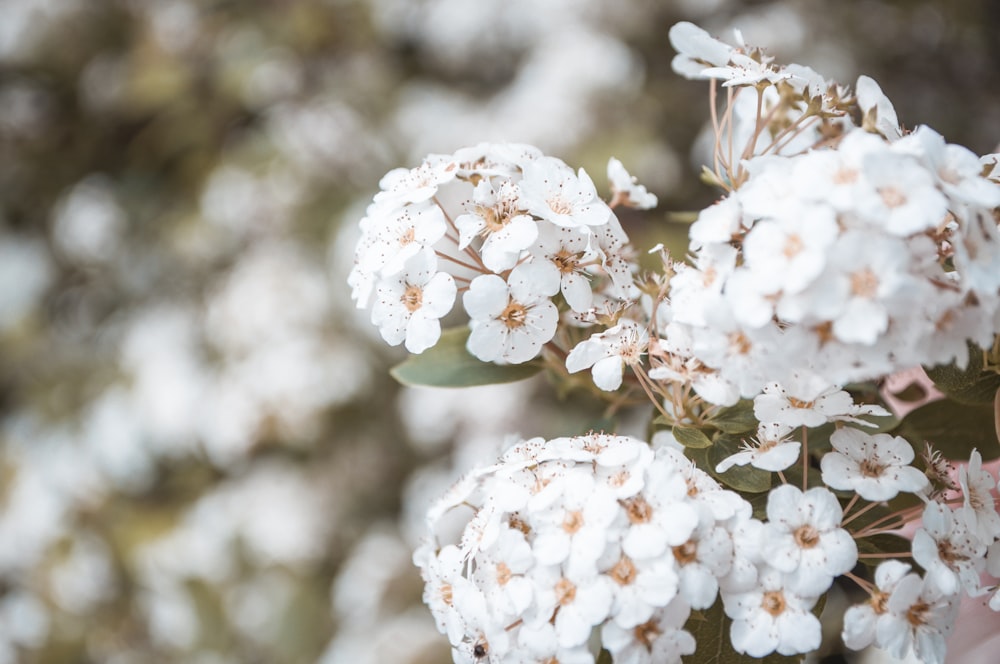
623 573
892 197
864 283
514 315
686 553
638 510
773 602
806 537
565 592
647 633
413 298
573 522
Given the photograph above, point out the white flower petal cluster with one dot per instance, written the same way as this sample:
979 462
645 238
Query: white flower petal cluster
506 225
850 262
876 467
565 536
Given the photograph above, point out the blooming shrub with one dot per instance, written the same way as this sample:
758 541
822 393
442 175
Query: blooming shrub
844 249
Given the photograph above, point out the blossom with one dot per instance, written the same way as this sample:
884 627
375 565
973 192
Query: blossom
557 264
509 321
978 508
876 467
495 215
770 451
919 615
770 617
951 554
551 190
860 621
627 189
408 305
659 640
609 352
696 50
804 540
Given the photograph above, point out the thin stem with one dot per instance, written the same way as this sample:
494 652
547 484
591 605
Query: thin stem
805 459
866 508
441 254
851 504
904 554
643 378
864 584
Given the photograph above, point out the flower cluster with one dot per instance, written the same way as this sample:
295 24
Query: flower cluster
600 531
848 251
844 249
505 226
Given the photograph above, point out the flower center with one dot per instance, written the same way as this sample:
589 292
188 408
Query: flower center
845 176
892 197
446 596
773 602
864 283
806 537
638 510
798 403
686 553
879 602
573 522
740 343
623 572
871 468
646 634
566 261
514 315
407 236
503 574
917 614
560 206
793 245
565 592
413 298
480 650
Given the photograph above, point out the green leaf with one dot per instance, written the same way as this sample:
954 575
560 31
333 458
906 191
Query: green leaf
953 428
971 385
691 437
710 629
449 364
746 479
735 419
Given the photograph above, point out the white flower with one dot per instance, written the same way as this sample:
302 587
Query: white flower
557 264
860 621
696 50
640 588
918 615
574 603
948 551
609 352
978 507
804 540
495 215
509 322
770 451
901 196
702 561
409 304
770 617
660 640
810 401
627 189
876 467
500 571
552 191
398 235
878 113
662 516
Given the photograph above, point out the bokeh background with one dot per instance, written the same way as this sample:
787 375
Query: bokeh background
202 456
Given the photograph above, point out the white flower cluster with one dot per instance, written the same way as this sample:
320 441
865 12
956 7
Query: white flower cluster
507 227
599 531
955 546
864 255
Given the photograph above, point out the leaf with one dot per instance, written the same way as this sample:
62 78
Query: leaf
710 629
953 428
971 385
691 437
741 478
738 418
449 364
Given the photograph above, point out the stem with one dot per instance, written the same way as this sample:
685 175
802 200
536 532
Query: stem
865 585
854 516
805 459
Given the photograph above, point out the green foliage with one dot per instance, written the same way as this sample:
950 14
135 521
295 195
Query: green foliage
971 385
691 437
953 428
449 364
739 478
738 418
710 629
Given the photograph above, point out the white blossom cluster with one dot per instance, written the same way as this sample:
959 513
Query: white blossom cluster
506 227
564 537
871 252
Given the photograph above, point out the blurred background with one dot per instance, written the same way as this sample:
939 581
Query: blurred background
202 456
